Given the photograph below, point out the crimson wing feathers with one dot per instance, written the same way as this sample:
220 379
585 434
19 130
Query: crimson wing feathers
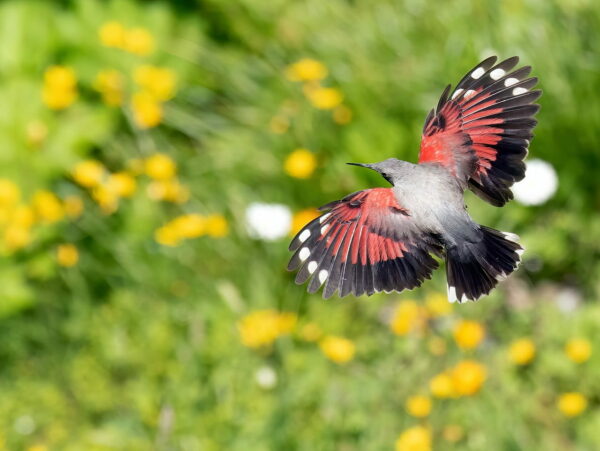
366 243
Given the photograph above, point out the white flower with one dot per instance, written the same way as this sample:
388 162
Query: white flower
539 184
268 221
266 377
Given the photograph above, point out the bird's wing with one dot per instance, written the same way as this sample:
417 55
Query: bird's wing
366 243
481 131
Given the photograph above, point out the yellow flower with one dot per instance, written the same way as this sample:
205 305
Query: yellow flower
572 404
47 206
73 206
110 84
416 438
325 98
303 217
138 41
310 332
216 226
38 447
16 237
578 349
279 124
167 235
453 433
158 81
67 255
521 351
122 184
112 34
10 194
89 173
107 198
342 115
337 349
60 88
168 190
437 346
408 317
23 216
189 226
306 69
437 305
36 133
418 406
263 327
147 111
160 166
442 386
301 163
468 334
468 377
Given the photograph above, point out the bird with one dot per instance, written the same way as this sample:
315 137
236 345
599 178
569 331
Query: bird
386 239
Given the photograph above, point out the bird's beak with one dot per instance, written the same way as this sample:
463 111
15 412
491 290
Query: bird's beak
364 165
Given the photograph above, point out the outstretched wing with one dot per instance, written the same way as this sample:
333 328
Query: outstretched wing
366 243
481 132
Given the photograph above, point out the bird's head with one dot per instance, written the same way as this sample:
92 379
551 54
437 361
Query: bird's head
391 169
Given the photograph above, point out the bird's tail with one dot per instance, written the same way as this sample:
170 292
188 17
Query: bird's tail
473 269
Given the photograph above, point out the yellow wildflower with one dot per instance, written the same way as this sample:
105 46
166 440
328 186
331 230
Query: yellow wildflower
89 173
325 98
16 237
301 163
572 404
437 305
453 433
73 206
279 124
408 317
416 438
303 217
23 216
110 84
442 386
10 194
160 166
310 332
337 349
437 346
36 133
47 206
521 351
418 406
147 111
578 349
122 184
468 377
306 69
59 89
263 327
342 115
107 198
216 226
67 255
168 190
167 235
158 81
112 34
189 226
468 334
138 41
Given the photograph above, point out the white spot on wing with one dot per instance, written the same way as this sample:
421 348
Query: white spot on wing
312 267
324 229
323 218
457 93
510 81
477 73
304 253
511 237
452 294
469 93
519 90
323 275
304 235
497 74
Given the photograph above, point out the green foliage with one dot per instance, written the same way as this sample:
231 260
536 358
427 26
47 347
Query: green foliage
133 342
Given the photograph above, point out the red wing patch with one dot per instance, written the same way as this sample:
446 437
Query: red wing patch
481 132
366 243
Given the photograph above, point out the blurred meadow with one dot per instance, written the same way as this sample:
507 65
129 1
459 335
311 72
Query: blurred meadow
156 158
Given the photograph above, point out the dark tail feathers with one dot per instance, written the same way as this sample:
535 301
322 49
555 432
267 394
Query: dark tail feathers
474 269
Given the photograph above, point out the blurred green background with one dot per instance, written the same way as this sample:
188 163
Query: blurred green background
156 159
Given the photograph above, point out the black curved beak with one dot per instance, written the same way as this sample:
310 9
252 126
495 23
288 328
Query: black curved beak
363 165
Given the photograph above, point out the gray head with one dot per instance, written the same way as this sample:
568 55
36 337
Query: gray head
391 169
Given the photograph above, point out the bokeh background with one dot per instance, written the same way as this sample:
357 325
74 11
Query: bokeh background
156 158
